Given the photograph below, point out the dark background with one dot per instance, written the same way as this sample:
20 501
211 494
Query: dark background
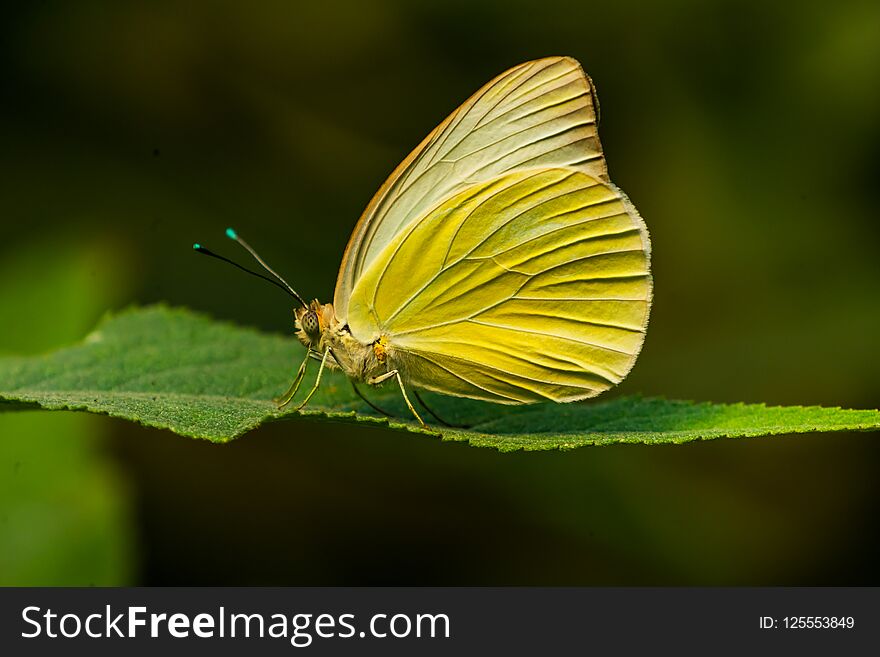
747 134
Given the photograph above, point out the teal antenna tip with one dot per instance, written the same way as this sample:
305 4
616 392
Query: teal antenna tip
275 280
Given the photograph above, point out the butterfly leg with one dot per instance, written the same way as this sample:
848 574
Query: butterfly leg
431 411
284 399
317 381
367 401
376 380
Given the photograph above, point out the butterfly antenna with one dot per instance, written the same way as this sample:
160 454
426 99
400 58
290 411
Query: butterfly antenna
231 234
201 249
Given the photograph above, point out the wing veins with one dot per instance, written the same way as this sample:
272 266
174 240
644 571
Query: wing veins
469 175
560 229
551 335
419 354
538 97
470 317
512 80
538 172
491 368
568 165
588 257
446 266
514 84
549 81
554 183
511 135
520 87
520 357
543 109
414 225
570 128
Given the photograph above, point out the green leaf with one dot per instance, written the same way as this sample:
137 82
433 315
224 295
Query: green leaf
173 369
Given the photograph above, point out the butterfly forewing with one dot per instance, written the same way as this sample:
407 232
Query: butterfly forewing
540 114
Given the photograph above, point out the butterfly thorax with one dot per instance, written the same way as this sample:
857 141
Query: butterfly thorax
318 328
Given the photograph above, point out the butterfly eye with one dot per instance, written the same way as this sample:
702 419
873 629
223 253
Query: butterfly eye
310 323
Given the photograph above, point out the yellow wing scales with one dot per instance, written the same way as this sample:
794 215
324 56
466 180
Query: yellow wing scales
540 114
533 285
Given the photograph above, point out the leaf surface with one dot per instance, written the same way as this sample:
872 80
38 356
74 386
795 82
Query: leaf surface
178 370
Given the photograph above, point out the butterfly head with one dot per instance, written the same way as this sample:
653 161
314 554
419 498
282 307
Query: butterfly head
312 321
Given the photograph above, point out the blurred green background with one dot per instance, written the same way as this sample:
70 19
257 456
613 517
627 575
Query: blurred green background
747 133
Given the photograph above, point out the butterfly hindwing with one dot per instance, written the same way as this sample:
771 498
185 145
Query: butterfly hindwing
530 286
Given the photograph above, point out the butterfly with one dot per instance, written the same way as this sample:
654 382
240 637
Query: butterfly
497 262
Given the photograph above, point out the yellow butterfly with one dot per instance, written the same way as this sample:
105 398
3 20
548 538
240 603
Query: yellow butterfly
497 262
